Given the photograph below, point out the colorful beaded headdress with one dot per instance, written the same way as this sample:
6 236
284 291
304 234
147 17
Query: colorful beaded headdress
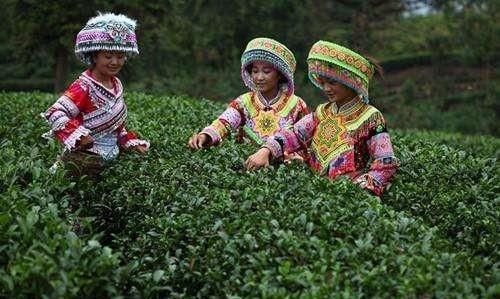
107 32
273 52
338 63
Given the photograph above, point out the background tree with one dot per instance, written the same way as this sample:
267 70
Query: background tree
45 30
439 53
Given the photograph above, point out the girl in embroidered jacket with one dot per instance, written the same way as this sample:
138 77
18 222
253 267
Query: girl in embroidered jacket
267 69
345 136
89 118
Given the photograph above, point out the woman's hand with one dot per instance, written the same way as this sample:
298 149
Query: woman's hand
85 142
198 141
140 148
259 159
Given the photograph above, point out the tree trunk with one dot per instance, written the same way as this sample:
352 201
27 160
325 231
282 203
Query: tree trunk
61 69
360 26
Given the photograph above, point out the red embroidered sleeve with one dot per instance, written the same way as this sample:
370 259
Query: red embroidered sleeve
65 115
127 139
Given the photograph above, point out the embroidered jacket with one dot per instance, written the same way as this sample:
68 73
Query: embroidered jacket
351 140
89 108
256 120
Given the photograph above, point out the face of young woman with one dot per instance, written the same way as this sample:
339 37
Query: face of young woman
265 77
108 63
335 91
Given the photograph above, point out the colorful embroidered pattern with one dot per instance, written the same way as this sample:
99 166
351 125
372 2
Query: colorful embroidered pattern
330 52
329 139
89 108
108 32
256 120
340 64
350 140
337 73
274 47
266 123
273 52
111 110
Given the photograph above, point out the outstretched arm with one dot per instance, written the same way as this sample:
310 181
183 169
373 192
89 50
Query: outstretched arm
383 162
66 121
292 139
287 140
128 140
230 119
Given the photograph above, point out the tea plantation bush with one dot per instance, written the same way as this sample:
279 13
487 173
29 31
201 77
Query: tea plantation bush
178 223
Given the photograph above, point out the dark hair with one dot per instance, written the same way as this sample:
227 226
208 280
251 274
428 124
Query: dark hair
282 79
92 54
379 70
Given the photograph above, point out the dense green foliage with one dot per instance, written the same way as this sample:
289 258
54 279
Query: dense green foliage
178 223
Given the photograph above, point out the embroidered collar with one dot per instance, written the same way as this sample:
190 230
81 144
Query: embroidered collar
345 108
277 103
270 102
282 90
116 91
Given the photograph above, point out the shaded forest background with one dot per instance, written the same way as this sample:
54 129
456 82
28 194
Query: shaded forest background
440 57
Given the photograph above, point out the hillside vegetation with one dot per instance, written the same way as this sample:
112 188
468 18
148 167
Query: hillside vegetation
178 223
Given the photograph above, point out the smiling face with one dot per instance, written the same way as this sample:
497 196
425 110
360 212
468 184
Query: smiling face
335 91
108 63
265 77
